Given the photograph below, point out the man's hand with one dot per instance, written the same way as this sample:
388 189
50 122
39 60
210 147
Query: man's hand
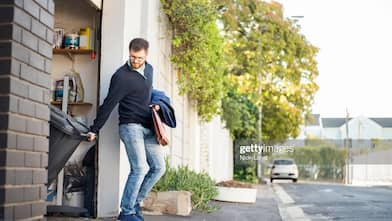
155 106
91 136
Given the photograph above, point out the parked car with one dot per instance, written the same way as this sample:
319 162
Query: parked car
284 168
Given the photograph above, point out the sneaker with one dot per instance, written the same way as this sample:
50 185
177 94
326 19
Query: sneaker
128 217
139 213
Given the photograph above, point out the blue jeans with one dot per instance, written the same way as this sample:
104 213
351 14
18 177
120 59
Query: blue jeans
145 156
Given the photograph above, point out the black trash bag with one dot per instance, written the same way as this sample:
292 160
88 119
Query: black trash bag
66 134
89 163
74 178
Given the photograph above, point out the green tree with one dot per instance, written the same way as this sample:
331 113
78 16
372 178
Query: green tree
264 49
240 114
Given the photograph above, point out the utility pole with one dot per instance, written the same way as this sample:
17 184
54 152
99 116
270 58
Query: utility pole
259 162
260 106
260 124
346 144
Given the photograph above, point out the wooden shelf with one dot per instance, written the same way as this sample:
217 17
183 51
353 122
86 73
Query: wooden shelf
71 51
71 103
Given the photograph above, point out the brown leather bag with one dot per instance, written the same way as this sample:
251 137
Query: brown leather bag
159 129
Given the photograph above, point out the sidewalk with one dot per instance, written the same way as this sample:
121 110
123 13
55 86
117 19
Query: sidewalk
265 209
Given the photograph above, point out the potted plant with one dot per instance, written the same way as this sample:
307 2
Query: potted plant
236 191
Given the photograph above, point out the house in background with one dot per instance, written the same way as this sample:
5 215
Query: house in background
370 167
359 128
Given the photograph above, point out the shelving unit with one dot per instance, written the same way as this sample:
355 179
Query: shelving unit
72 15
71 103
71 51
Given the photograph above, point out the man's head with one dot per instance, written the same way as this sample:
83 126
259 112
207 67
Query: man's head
138 50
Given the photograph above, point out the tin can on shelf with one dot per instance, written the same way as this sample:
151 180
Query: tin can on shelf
71 41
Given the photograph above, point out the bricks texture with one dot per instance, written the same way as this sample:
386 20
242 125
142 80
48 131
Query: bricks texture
26 36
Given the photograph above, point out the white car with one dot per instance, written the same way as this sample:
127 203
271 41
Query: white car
284 168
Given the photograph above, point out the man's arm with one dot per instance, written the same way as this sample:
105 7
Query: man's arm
117 90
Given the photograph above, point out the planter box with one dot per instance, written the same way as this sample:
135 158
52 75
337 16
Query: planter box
236 194
169 202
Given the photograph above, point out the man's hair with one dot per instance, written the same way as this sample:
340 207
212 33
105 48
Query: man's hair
138 44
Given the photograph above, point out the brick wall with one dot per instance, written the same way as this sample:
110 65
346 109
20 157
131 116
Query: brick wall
26 33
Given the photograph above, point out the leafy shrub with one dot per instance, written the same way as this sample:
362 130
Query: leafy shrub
245 173
200 185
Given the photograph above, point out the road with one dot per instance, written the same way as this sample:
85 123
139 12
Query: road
336 202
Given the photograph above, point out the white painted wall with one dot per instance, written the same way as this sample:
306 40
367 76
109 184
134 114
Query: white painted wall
362 128
220 150
386 133
332 133
109 161
374 168
372 174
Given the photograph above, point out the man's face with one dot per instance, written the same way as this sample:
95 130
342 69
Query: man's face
137 58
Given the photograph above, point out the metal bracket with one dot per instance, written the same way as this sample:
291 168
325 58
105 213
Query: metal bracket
72 58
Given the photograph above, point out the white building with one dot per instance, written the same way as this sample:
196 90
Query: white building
359 128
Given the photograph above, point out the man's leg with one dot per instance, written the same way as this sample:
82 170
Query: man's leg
156 161
133 137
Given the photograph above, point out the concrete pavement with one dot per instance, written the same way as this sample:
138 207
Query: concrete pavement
265 209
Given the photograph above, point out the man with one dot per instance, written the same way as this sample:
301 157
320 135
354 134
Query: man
131 87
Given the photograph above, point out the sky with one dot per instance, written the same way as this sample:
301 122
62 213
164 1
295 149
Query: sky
355 57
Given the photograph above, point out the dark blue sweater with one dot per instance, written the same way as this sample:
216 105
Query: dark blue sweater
133 92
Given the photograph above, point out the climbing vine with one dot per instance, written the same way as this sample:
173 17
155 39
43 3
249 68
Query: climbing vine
197 52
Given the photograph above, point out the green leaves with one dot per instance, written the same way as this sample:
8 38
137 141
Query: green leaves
240 115
270 63
200 185
197 52
261 55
